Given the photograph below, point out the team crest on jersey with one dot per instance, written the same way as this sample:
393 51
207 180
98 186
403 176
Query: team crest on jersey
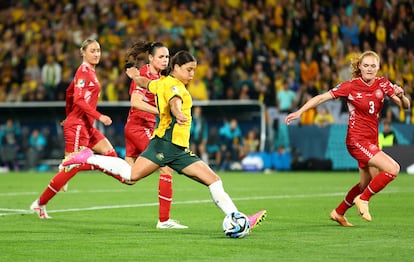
81 83
174 89
378 93
336 87
160 156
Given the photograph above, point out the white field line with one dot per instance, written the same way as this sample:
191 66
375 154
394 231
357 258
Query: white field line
9 212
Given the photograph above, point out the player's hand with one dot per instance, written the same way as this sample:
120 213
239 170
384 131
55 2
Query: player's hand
292 116
181 118
132 72
106 120
399 91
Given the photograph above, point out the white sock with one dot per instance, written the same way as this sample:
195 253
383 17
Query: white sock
221 198
115 165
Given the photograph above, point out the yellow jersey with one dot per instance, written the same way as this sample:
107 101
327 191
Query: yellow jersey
168 129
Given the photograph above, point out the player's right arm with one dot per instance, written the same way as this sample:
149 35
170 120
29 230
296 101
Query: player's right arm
138 100
312 103
134 74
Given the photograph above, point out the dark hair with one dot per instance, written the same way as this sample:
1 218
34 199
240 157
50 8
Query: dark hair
134 53
180 58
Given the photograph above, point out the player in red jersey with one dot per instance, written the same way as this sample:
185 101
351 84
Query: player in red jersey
365 95
142 120
81 103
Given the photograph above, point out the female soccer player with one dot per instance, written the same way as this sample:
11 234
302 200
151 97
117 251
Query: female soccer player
141 122
81 102
170 142
365 95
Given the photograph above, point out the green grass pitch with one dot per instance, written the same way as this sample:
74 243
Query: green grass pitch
99 219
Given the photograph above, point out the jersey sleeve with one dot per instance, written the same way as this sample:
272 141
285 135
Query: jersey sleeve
387 86
81 95
134 88
341 90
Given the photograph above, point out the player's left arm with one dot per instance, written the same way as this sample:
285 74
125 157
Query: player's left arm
175 105
400 98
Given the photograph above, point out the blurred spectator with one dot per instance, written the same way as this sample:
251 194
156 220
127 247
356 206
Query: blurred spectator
335 45
51 76
198 89
231 143
286 99
3 92
33 69
387 137
349 31
9 144
309 68
323 117
199 134
14 94
251 142
60 90
262 85
36 149
308 117
214 84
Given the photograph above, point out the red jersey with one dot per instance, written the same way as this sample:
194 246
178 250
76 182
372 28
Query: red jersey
364 104
82 97
138 117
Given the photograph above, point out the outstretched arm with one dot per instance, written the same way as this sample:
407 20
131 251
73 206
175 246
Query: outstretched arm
141 81
312 103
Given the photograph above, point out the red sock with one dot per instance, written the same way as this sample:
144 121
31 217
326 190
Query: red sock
378 183
165 192
59 180
349 200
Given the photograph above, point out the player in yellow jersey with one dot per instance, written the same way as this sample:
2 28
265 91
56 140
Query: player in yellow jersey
170 142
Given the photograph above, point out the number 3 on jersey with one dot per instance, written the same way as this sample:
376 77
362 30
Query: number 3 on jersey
371 107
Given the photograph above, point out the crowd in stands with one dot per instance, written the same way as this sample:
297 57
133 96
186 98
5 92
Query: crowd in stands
245 49
280 52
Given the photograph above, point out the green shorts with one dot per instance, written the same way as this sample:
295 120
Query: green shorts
165 153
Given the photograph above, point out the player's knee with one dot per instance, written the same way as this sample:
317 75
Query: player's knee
395 169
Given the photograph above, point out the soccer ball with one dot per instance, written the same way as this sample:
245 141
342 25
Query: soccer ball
236 225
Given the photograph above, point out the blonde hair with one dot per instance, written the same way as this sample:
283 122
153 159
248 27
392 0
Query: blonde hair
86 43
356 61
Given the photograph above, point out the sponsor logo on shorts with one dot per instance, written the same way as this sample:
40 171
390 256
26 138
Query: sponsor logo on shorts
160 156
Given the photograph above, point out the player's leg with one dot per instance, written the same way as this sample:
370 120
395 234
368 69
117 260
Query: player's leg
75 136
56 184
165 193
389 170
338 214
101 145
142 167
201 172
